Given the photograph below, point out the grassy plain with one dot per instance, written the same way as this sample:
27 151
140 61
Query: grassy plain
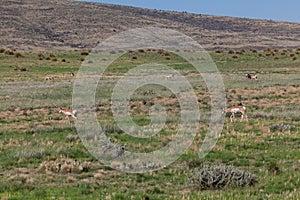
33 134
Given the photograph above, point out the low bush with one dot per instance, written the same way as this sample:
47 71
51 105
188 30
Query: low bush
211 176
281 127
231 52
84 53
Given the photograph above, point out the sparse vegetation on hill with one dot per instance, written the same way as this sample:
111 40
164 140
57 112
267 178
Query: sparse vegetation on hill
65 24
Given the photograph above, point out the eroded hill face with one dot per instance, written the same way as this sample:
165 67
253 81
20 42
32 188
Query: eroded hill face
65 24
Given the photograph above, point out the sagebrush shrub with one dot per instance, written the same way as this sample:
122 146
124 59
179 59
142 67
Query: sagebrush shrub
212 176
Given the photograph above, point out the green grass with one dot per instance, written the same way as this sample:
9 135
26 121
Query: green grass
32 131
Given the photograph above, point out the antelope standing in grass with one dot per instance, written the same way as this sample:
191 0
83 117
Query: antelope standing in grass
251 76
48 78
68 113
168 76
236 109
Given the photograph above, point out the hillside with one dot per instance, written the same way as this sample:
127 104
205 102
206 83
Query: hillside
66 24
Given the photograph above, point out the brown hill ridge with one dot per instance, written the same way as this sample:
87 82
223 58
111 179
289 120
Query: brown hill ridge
66 24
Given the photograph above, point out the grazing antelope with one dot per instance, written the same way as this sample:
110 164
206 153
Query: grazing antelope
68 113
236 109
49 78
168 76
251 76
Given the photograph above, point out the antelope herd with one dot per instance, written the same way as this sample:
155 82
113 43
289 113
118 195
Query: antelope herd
232 110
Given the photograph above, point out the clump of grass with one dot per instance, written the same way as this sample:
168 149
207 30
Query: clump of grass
281 127
84 53
194 164
267 50
273 168
72 138
269 54
167 54
112 129
231 52
2 50
41 56
52 55
30 153
65 165
18 55
210 176
21 69
160 51
235 57
8 52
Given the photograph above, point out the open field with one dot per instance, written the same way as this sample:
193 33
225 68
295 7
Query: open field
42 157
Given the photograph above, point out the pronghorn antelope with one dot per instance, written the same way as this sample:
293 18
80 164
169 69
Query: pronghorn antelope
236 109
251 76
169 76
49 78
68 113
